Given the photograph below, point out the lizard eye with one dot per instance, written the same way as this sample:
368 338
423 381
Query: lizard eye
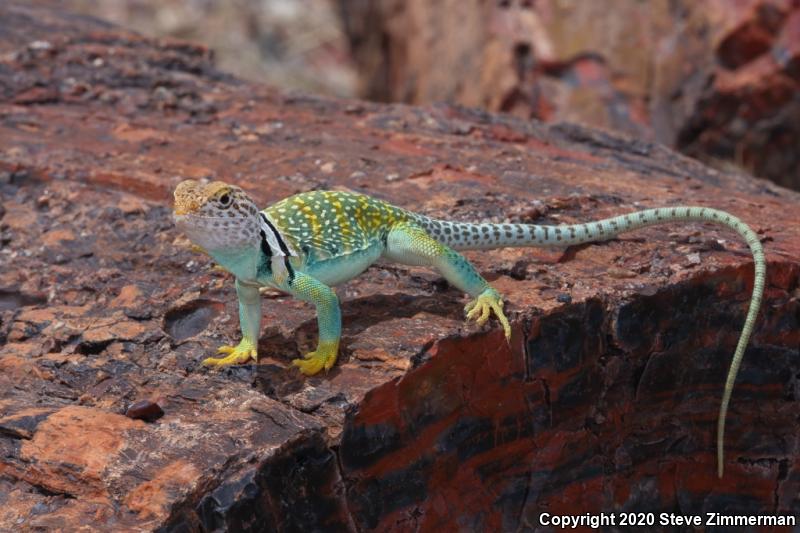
225 200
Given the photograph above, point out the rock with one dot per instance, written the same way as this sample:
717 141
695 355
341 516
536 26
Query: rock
129 296
714 79
604 400
57 236
37 95
144 410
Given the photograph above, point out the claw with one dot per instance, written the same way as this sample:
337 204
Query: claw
481 308
242 353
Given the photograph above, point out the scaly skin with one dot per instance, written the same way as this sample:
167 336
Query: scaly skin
307 243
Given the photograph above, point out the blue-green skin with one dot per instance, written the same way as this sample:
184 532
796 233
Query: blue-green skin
338 235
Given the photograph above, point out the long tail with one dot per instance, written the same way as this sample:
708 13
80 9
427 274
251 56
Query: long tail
468 236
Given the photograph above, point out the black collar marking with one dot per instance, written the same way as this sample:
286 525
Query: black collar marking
267 250
276 233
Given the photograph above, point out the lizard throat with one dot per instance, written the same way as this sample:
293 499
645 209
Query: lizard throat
219 233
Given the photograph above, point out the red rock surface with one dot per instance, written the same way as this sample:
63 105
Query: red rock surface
605 400
717 79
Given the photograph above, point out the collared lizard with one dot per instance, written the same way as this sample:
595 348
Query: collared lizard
309 242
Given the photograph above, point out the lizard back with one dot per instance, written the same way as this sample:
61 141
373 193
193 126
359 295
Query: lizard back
330 224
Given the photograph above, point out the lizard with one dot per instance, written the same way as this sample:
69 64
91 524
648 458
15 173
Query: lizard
307 243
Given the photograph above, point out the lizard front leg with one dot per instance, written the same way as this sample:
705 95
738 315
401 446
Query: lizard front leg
329 320
411 245
250 322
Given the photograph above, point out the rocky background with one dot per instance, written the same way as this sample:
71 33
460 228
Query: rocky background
604 401
294 44
718 80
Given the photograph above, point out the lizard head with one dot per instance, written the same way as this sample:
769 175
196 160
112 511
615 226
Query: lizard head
216 216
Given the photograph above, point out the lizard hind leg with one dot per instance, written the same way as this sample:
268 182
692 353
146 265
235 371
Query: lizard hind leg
410 244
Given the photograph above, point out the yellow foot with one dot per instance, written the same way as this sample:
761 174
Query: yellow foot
323 357
236 354
481 308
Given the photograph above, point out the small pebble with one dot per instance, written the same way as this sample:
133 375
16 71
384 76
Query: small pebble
145 410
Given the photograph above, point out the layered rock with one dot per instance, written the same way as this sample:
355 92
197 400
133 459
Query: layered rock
605 399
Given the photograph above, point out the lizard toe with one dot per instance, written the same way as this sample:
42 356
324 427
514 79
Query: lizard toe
242 353
323 357
501 317
311 365
481 308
